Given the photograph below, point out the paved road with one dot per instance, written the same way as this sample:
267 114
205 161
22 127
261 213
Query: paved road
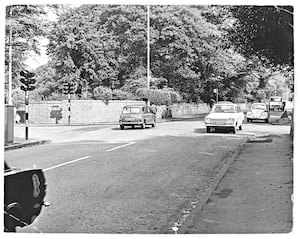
104 180
255 194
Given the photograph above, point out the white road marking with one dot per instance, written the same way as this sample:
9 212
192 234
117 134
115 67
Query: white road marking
121 146
206 153
66 163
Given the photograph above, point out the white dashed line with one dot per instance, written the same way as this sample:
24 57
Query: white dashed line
121 146
66 163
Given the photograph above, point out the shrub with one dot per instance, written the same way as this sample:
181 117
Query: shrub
103 93
158 97
121 95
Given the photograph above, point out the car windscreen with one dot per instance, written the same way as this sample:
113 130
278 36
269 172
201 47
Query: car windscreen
276 99
134 110
258 107
224 109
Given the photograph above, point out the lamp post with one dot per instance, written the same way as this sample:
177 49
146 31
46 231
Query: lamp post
10 63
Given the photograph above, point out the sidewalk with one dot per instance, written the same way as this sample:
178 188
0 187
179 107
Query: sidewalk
21 142
255 194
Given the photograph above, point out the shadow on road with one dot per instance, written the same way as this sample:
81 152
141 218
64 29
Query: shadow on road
194 117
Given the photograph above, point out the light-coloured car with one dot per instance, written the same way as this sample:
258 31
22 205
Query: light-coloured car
226 116
258 111
137 115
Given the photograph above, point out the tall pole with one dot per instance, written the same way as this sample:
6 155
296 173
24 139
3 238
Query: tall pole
69 108
10 63
26 113
148 46
148 49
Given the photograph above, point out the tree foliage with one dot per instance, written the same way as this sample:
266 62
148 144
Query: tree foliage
100 44
239 50
192 52
266 31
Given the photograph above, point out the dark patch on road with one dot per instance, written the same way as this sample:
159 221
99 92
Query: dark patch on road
200 131
262 140
224 193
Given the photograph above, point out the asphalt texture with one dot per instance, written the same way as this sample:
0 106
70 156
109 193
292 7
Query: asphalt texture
158 179
254 195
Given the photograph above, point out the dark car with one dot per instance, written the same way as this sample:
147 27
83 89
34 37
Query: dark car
137 115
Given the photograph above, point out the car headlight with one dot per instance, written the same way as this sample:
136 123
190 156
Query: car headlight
249 114
230 120
264 115
207 120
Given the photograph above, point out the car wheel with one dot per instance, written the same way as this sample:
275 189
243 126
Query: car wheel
154 123
267 120
121 127
143 125
240 127
234 130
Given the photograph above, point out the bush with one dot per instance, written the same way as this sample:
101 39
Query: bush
158 97
121 95
103 93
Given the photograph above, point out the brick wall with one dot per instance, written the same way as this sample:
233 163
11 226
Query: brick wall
96 111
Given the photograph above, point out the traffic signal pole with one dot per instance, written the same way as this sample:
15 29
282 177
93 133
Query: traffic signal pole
26 113
28 85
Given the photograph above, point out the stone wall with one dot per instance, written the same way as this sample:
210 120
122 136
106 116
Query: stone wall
82 111
96 111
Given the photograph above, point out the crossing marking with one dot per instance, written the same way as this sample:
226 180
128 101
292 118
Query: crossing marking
121 146
66 163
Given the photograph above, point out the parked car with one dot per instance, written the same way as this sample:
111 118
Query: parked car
258 111
276 103
137 115
227 116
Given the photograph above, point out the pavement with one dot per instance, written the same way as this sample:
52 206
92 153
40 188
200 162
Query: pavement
255 195
22 142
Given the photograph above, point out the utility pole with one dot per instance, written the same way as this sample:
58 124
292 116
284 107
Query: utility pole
148 46
148 50
10 63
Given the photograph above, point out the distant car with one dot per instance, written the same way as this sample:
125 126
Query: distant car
276 103
137 115
227 116
258 111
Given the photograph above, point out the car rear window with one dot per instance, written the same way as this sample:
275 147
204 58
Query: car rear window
134 110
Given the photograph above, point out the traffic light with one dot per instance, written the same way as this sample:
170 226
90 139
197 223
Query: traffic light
68 88
27 80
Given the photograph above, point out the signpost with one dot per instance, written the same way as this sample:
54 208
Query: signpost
28 85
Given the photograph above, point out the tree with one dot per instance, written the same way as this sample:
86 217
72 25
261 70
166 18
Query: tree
99 44
25 25
266 31
193 53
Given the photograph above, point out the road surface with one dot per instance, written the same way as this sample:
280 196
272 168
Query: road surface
106 180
